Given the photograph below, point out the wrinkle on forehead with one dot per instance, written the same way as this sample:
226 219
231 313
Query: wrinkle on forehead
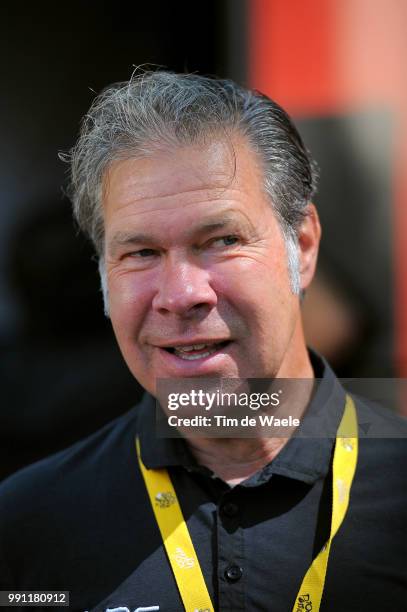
150 175
189 202
173 173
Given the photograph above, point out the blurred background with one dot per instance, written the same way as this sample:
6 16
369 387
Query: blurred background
337 66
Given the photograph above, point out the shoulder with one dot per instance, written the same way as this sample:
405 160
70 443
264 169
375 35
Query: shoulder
59 509
67 471
60 515
382 456
377 421
381 428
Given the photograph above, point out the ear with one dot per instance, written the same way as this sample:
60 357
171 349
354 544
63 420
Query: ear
309 235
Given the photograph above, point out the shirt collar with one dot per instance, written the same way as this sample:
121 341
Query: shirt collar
304 457
307 456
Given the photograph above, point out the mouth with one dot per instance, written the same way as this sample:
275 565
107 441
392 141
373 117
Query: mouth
192 352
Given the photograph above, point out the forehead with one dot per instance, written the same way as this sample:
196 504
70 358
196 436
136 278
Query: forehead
194 180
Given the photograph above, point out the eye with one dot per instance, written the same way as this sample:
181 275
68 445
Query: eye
143 253
226 241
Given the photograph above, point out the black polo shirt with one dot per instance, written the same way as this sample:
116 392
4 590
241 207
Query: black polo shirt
81 521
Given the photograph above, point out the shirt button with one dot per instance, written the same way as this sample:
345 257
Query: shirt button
233 573
229 509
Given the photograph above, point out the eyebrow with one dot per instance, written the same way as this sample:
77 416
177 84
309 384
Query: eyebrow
213 225
121 239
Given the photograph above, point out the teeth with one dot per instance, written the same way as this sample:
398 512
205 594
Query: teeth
192 347
192 357
182 351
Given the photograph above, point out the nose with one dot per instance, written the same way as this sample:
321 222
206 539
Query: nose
184 289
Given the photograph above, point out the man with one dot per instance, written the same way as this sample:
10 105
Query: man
197 196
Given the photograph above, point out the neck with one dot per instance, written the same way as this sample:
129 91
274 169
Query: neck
236 459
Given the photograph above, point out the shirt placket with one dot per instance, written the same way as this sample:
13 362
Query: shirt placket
231 554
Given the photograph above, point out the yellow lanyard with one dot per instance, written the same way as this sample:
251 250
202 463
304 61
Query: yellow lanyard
343 469
180 549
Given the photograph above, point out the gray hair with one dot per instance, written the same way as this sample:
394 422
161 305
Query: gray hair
162 109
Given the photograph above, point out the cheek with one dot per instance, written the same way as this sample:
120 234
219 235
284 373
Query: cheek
253 281
129 300
260 296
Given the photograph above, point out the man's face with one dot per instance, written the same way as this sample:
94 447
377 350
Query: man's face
197 267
